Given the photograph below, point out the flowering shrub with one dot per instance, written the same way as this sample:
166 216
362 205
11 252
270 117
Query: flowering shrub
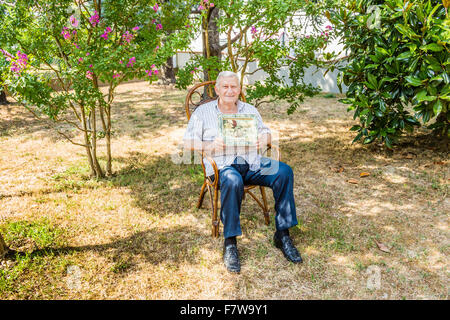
80 46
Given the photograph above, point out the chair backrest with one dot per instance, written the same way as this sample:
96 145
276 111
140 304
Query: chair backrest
201 93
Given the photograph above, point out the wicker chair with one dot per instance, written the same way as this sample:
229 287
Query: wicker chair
205 92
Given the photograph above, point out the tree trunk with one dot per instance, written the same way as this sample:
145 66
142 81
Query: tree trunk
98 168
93 163
211 39
169 73
3 100
3 247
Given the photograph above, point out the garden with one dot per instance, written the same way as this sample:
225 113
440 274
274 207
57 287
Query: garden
93 205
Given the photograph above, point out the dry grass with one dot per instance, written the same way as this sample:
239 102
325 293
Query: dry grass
138 235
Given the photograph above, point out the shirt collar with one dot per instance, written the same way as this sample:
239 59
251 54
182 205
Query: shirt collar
240 105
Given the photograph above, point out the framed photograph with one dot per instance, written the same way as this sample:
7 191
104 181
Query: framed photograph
238 129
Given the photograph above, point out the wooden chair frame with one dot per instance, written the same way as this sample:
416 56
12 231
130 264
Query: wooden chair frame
213 186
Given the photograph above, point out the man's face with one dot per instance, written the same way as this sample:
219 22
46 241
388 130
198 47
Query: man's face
228 89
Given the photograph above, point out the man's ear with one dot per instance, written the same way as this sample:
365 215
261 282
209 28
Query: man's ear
216 89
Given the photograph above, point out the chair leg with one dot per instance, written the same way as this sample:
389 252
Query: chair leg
266 209
216 220
202 195
214 204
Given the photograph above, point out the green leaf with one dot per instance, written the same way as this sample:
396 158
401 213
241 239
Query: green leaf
381 51
406 31
422 96
433 47
388 142
404 56
357 137
374 58
372 80
437 108
414 81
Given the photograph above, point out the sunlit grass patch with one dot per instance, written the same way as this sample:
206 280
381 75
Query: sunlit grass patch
36 259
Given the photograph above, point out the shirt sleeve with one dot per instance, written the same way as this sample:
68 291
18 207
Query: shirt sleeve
262 128
194 130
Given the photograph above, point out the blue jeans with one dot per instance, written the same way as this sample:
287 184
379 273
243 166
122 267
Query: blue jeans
273 174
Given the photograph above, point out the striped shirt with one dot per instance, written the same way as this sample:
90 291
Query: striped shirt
204 126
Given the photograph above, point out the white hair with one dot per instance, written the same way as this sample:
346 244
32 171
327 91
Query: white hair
226 74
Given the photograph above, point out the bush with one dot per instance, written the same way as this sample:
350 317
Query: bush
398 55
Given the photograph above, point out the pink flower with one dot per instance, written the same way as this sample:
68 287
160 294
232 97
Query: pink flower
104 36
135 28
80 60
66 33
116 75
307 36
329 27
90 66
157 47
153 66
18 63
211 5
121 62
76 45
127 36
94 19
108 29
74 32
131 62
156 7
74 22
155 71
87 53
200 7
158 26
89 74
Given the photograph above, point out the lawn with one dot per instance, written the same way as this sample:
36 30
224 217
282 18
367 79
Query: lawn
138 235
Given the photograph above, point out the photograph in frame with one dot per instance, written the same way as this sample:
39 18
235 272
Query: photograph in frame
238 129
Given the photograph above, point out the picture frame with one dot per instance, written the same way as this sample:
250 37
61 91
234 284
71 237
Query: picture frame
238 129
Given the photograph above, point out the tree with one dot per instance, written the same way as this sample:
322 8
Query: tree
82 45
252 32
398 55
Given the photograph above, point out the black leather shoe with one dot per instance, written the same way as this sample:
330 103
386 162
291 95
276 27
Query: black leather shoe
231 258
284 243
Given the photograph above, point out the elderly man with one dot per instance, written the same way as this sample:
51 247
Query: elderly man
238 169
